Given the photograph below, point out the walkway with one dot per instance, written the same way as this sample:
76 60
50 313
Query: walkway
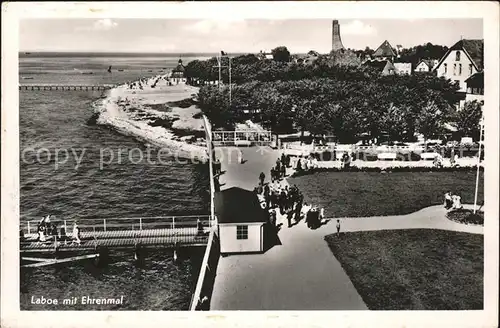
433 217
299 274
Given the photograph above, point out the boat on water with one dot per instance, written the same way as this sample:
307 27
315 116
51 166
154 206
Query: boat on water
120 70
27 78
87 73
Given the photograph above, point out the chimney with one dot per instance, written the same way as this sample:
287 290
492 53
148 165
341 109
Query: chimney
336 41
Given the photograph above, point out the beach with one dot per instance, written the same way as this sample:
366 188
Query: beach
158 114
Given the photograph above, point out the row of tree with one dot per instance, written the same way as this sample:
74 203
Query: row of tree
331 96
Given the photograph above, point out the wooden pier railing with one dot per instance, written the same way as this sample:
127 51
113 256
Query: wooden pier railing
65 87
175 231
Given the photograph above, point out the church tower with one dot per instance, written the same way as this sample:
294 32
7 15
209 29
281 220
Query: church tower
336 41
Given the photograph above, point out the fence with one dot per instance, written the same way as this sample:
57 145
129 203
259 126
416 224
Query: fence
205 284
124 224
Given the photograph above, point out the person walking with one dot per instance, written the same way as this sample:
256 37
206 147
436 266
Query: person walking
282 201
262 176
283 170
338 228
267 195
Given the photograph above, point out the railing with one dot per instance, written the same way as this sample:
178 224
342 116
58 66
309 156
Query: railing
206 279
120 224
65 87
232 137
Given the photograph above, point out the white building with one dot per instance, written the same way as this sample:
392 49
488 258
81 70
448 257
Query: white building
402 68
462 60
426 65
241 221
475 88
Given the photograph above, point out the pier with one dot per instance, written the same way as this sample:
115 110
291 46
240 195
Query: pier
122 233
65 87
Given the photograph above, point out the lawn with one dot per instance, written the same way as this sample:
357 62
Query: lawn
413 269
362 194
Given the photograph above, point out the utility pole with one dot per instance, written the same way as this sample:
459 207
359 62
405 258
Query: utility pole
481 124
220 66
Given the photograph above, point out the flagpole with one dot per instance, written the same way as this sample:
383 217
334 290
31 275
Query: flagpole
478 162
220 69
229 80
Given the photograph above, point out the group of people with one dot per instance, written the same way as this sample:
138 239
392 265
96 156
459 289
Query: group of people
452 201
306 163
279 170
287 201
46 230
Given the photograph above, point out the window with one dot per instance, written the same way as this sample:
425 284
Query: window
457 56
445 68
454 69
459 69
241 232
470 69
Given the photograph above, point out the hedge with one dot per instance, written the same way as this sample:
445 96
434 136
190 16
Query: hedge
390 169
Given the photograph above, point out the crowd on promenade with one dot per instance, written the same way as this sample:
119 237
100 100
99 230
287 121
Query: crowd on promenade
284 201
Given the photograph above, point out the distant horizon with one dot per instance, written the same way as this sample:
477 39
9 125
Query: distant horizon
235 36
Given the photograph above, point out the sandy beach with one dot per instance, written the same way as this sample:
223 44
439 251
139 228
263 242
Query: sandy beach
153 112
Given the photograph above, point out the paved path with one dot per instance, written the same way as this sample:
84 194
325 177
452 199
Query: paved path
301 273
433 217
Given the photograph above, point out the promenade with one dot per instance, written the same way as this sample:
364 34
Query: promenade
299 274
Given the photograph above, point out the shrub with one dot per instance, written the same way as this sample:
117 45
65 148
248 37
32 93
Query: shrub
391 169
466 216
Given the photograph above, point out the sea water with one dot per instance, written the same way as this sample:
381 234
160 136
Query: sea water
53 122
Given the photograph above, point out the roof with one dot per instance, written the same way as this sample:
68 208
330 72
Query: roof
429 62
179 67
476 78
384 50
378 64
236 205
473 49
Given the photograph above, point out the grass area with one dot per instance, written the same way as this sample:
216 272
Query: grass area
413 269
362 194
466 216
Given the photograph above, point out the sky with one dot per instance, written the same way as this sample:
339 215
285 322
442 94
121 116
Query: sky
235 35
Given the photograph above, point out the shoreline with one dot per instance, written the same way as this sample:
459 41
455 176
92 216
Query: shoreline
156 113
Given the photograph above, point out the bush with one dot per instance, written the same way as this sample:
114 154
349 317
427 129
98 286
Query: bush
466 216
198 115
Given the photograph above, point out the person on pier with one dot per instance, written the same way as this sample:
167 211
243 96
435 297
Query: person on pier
76 234
199 226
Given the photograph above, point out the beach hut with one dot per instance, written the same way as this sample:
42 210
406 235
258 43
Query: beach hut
241 221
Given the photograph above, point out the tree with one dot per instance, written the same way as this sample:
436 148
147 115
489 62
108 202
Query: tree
281 54
429 121
467 120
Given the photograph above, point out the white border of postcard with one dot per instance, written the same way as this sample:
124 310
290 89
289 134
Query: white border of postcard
12 12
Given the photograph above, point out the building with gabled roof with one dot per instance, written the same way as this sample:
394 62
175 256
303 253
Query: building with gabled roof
385 52
384 67
462 60
425 65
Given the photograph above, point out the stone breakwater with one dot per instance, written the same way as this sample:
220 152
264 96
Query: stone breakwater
147 110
